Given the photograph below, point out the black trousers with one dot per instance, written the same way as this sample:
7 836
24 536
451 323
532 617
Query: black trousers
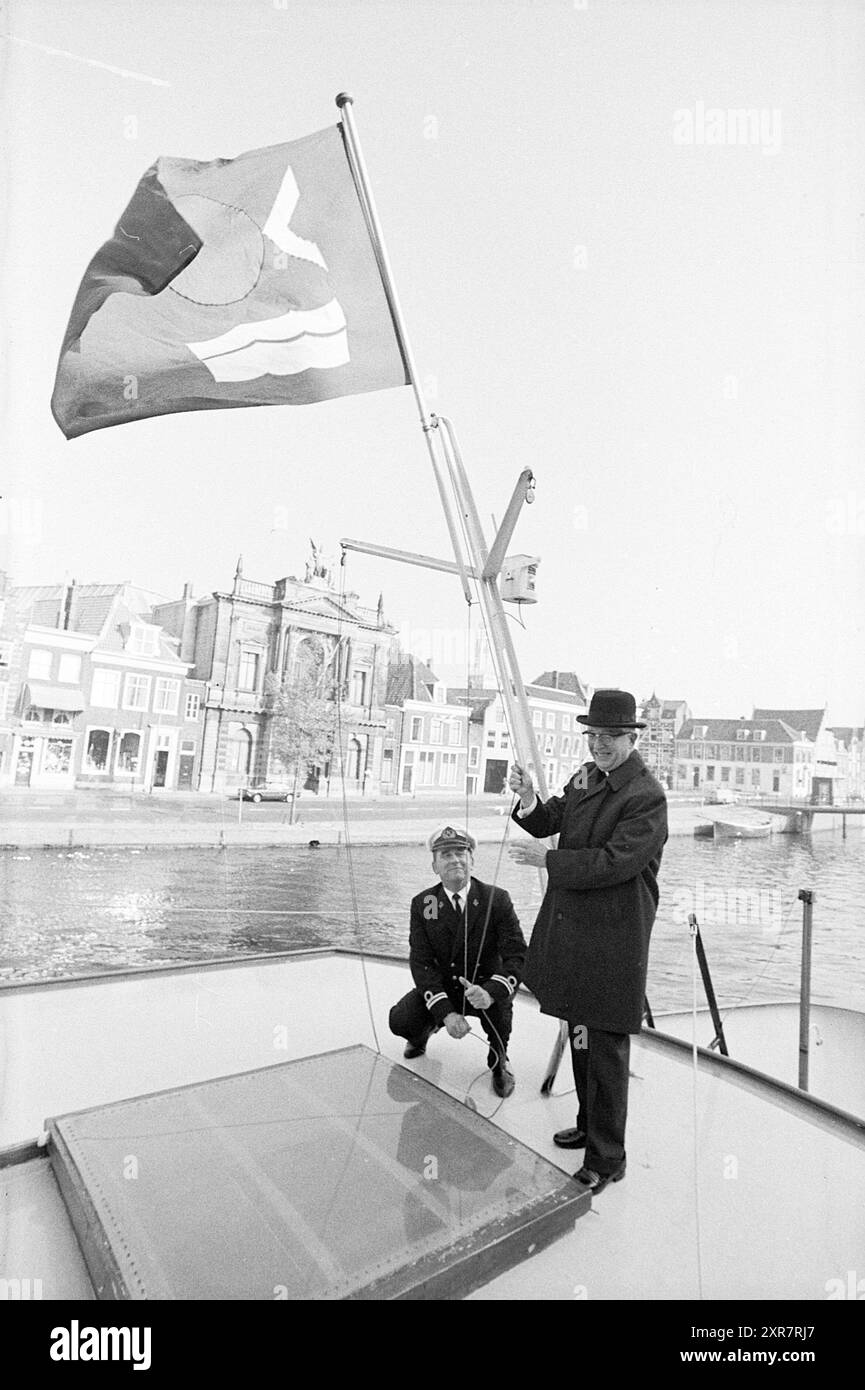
600 1061
411 1019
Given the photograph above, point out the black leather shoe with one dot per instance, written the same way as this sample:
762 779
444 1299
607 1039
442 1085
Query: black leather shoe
503 1081
570 1138
596 1182
416 1047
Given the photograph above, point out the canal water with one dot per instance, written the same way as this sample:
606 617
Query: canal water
79 911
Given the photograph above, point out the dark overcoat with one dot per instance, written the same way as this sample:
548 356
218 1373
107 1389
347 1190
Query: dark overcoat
589 951
490 952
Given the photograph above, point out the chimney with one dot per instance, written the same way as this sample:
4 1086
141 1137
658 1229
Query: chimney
187 591
67 603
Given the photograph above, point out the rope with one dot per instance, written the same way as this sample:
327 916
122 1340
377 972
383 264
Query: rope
345 820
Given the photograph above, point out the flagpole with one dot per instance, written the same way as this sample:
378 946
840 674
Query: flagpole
361 178
504 656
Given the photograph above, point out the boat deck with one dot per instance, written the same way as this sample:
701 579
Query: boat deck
736 1189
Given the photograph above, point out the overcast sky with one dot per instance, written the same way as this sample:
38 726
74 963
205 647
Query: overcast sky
659 311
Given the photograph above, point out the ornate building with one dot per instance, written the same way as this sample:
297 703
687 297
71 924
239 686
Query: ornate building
247 641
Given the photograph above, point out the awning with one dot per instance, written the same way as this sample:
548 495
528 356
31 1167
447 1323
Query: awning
53 697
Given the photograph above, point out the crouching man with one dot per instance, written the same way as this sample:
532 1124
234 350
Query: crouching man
466 953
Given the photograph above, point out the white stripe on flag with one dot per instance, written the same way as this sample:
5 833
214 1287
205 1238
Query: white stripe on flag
282 346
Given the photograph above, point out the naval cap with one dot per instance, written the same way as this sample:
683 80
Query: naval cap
450 837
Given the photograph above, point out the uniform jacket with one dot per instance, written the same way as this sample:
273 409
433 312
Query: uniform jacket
589 950
437 946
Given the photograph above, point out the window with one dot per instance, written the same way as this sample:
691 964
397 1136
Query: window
456 733
105 688
390 726
551 719
190 710
435 731
187 745
58 756
491 738
39 667
549 743
166 695
504 740
440 694
474 756
387 765
247 676
449 770
426 767
551 774
70 668
129 752
96 751
710 772
725 774
537 719
61 716
358 687
755 777
741 734
566 723
416 728
777 755
566 746
143 639
740 777
136 691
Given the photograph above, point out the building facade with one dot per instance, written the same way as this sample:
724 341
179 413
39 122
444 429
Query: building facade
247 642
748 757
427 733
663 720
100 695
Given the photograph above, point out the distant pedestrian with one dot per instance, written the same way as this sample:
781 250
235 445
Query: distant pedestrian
588 954
466 953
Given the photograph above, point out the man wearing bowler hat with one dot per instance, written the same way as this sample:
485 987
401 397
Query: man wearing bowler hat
589 950
466 953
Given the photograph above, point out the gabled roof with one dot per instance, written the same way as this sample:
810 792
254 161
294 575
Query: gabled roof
563 680
811 720
90 605
409 678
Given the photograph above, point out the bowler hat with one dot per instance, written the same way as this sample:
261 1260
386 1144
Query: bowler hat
451 838
612 709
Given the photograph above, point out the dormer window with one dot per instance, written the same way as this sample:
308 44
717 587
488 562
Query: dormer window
143 639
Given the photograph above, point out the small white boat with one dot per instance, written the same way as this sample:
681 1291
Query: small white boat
741 829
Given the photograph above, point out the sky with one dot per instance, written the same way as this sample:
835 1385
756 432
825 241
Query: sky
660 314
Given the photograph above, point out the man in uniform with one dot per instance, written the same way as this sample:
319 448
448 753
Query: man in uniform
589 950
466 953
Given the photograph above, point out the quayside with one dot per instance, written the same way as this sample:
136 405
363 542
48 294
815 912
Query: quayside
765 1201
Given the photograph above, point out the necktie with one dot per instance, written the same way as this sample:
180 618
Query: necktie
458 905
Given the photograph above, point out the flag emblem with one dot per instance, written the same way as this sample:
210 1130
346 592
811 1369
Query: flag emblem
249 281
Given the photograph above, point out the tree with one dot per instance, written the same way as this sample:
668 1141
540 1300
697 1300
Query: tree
301 725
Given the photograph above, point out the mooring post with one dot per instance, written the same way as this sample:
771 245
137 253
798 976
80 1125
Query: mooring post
806 898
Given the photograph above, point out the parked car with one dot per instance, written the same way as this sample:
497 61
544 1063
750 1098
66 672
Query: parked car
721 796
265 794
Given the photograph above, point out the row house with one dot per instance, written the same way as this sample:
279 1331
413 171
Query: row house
555 699
100 693
850 753
427 732
750 756
663 720
246 642
810 724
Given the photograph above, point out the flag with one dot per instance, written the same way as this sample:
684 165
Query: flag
234 282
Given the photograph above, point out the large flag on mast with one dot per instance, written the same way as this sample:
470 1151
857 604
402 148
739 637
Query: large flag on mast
247 281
